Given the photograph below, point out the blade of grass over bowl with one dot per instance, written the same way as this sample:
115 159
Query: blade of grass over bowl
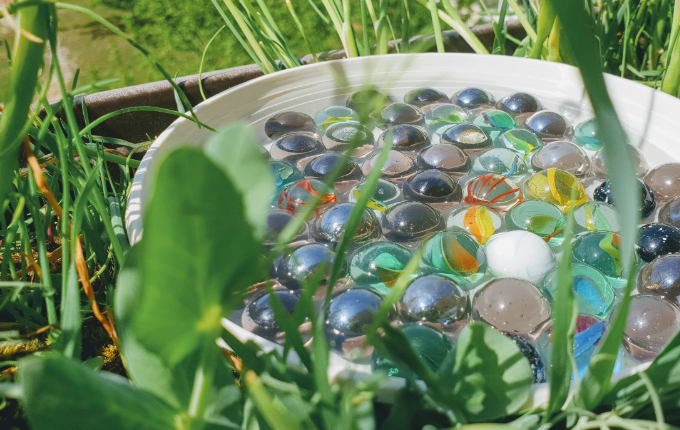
236 34
451 17
436 27
200 67
579 33
298 24
523 19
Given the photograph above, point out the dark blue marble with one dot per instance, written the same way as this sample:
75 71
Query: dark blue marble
656 240
472 98
647 202
519 103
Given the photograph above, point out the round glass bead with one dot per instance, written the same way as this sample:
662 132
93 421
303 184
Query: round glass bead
657 239
664 181
288 122
447 158
470 138
331 225
378 265
397 168
368 101
531 354
276 222
564 156
302 193
647 201
480 221
455 253
435 188
441 117
519 254
652 322
295 146
431 346
405 137
386 194
549 125
661 277
594 296
345 135
295 269
586 135
399 113
494 119
599 169
670 213
519 103
601 250
437 301
472 98
258 316
348 313
500 161
492 190
425 96
555 186
512 305
595 216
285 174
319 167
410 221
536 216
333 115
523 142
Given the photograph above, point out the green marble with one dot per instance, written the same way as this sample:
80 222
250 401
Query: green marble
456 253
539 217
596 216
285 175
431 345
378 265
501 161
496 119
601 250
524 142
594 296
586 136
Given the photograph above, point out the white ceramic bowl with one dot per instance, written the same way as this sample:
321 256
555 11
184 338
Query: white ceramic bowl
651 118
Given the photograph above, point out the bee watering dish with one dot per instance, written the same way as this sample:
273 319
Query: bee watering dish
487 156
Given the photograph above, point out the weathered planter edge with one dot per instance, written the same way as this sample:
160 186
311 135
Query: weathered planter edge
136 127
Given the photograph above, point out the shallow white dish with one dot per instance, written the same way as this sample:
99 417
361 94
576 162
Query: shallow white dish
651 118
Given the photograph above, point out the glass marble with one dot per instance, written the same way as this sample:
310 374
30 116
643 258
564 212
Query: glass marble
652 322
555 186
321 166
586 135
333 115
397 168
664 181
425 96
601 250
289 122
435 188
399 113
348 313
480 221
531 354
536 216
441 117
285 174
431 345
378 265
549 125
472 98
670 213
594 296
295 146
647 200
258 316
523 142
405 137
494 119
470 138
386 194
595 216
599 169
455 252
661 277
512 305
276 222
345 135
447 158
296 268
330 226
301 194
492 190
368 101
518 103
656 240
564 156
519 254
437 301
588 334
410 221
500 161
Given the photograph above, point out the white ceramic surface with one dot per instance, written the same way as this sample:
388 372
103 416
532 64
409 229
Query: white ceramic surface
651 118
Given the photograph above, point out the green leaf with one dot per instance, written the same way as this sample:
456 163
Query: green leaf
69 341
492 377
199 249
237 152
59 393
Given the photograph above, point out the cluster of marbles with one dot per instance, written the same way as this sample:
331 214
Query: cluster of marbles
480 189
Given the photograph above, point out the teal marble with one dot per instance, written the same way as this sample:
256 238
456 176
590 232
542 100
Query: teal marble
594 295
595 216
285 174
601 250
335 114
494 122
539 217
378 265
457 253
441 117
501 161
431 345
586 135
524 142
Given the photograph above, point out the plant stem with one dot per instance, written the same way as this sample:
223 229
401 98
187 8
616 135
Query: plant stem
671 80
523 20
437 29
203 383
452 18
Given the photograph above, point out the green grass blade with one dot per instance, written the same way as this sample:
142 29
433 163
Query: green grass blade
437 29
236 34
523 20
546 20
200 68
452 18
